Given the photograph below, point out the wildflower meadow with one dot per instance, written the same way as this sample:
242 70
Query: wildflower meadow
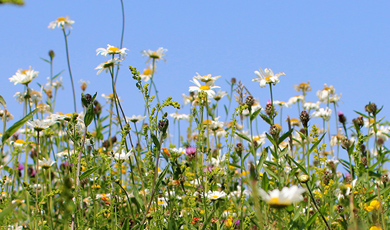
225 158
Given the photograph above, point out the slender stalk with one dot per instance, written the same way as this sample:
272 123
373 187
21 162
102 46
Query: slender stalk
69 69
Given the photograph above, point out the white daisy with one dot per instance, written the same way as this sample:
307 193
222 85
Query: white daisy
24 76
135 118
147 73
267 77
311 105
62 22
215 195
220 95
107 65
111 50
122 155
295 99
40 125
180 116
283 198
208 88
323 113
158 54
206 78
46 163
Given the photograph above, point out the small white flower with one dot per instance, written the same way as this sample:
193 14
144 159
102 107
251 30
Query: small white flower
215 195
107 65
61 22
324 94
323 113
135 118
65 153
123 155
220 94
24 76
283 198
267 77
206 78
311 105
8 115
295 99
147 73
46 163
281 103
111 50
208 88
180 116
40 125
158 54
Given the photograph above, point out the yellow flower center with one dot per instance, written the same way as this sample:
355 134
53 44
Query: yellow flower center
147 71
24 71
215 197
61 19
113 49
204 87
274 200
19 141
268 78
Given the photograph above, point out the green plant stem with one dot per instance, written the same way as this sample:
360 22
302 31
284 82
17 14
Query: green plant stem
69 69
315 205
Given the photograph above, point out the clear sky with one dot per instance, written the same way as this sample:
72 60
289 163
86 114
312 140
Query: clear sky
341 43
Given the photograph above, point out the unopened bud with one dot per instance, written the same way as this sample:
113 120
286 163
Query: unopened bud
342 118
304 178
250 101
51 54
371 108
304 117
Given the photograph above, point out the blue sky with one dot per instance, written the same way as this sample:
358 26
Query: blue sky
341 43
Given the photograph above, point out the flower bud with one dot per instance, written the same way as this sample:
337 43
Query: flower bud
275 130
371 108
269 109
304 117
304 178
233 80
250 101
342 118
358 122
51 54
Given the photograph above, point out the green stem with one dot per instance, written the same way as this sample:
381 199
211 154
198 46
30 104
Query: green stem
70 71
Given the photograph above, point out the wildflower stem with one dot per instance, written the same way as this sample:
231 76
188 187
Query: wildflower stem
122 36
70 71
315 205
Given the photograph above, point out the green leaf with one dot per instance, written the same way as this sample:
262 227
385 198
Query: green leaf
43 58
265 182
254 115
162 175
16 2
2 101
243 137
7 211
266 118
88 118
11 130
57 75
88 172
285 135
311 220
155 141
297 164
316 144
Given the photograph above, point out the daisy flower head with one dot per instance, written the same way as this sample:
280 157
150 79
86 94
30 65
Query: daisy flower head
107 65
61 22
267 77
147 73
215 195
122 155
180 116
155 55
206 78
46 163
208 87
295 99
303 87
135 118
40 125
24 76
284 198
220 94
323 113
311 105
111 50
324 94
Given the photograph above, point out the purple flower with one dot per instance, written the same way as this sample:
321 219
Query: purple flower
20 167
237 222
191 152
